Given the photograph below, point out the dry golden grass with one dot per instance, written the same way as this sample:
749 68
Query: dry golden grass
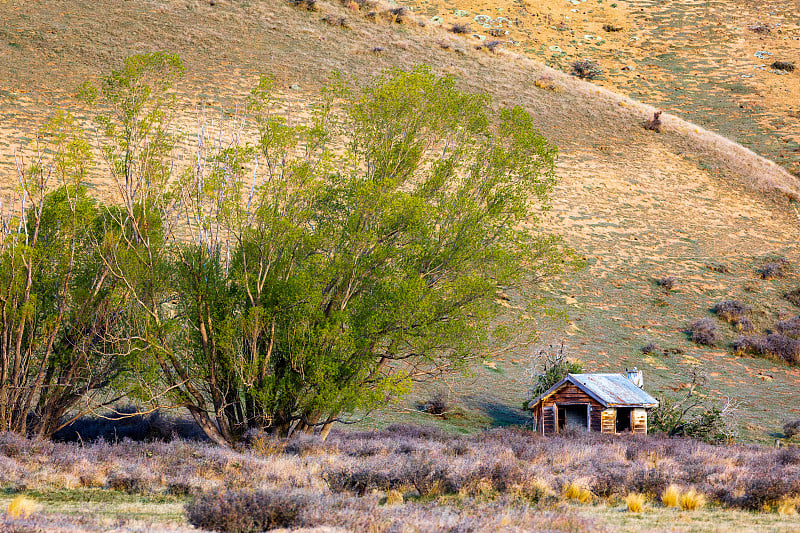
21 507
671 496
574 491
692 500
788 506
394 497
634 502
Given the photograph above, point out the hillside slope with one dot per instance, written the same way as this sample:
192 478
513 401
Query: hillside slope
637 204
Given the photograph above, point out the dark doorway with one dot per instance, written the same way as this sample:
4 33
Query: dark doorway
623 419
573 416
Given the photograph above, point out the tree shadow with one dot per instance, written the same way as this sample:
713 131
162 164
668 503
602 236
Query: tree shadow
499 413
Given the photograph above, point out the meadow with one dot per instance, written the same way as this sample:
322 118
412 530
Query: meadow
403 478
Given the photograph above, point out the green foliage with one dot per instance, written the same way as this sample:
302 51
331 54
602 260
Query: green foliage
55 295
352 275
550 367
317 283
692 417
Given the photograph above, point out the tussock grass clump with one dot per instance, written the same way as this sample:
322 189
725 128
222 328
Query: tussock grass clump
243 511
634 502
671 496
788 506
692 500
21 507
573 491
704 332
394 497
586 69
731 310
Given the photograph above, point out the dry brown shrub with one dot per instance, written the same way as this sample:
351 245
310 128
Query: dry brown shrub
704 332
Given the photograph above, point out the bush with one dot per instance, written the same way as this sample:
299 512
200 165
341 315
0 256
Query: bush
791 428
718 267
334 20
690 418
649 348
490 45
773 345
704 332
437 405
244 511
667 283
124 423
789 328
586 69
773 269
766 490
310 5
731 310
787 66
793 296
460 28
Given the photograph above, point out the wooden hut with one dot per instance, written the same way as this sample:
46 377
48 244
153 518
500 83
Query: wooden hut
609 403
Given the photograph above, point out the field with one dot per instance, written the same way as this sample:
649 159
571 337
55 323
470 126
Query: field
638 205
404 478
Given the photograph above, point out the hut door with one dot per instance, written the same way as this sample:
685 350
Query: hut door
573 416
623 419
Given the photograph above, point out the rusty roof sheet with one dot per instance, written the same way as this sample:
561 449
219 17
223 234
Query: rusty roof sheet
613 389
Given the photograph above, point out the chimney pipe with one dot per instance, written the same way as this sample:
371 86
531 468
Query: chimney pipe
635 376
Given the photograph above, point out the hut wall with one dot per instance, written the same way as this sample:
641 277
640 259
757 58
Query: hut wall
569 394
609 420
639 421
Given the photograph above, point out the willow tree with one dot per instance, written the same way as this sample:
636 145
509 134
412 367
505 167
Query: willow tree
56 298
359 251
285 284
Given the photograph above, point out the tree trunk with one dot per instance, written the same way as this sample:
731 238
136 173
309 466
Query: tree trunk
326 429
208 426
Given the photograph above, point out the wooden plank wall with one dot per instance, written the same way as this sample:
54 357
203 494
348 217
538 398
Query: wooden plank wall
566 395
609 421
639 421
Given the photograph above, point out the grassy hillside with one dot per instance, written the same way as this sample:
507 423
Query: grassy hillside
637 204
707 61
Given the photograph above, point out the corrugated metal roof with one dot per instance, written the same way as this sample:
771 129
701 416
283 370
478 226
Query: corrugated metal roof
614 389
